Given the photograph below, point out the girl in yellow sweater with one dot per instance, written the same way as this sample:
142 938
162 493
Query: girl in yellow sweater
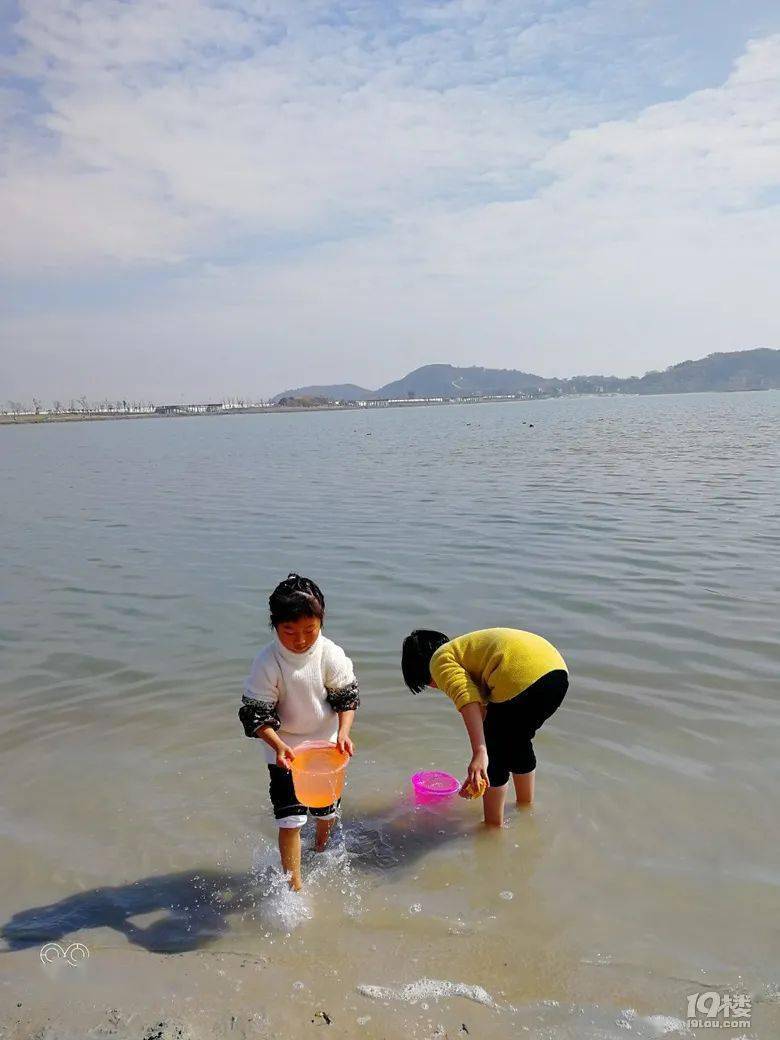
505 683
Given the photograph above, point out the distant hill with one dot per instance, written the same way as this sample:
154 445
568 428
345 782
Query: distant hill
449 381
431 381
757 369
338 392
737 370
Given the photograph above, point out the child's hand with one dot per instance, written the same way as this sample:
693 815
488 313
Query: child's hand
477 771
284 756
345 745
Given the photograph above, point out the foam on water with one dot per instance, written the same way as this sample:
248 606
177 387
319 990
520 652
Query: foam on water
666 1024
548 1019
651 1025
428 989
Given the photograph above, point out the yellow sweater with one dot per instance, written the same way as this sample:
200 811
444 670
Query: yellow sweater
494 664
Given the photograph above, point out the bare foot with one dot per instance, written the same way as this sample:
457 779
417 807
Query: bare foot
295 884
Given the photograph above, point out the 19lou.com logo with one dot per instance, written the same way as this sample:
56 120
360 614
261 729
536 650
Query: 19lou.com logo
73 954
713 1010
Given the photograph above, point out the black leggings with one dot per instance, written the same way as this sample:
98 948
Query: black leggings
511 725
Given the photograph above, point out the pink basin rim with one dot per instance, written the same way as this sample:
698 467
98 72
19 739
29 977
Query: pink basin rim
434 782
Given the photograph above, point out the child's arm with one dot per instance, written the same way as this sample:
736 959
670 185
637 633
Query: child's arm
284 753
342 694
472 719
259 711
261 719
343 742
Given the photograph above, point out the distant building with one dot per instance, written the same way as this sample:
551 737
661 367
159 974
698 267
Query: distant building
188 409
385 402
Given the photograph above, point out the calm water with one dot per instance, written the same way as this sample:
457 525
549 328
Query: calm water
639 535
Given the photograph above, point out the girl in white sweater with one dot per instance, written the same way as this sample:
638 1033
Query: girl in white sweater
301 687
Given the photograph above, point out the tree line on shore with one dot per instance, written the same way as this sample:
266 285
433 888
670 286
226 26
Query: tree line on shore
83 406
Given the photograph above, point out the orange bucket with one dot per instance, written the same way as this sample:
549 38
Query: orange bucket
318 772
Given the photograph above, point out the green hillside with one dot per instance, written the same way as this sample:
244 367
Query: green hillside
757 369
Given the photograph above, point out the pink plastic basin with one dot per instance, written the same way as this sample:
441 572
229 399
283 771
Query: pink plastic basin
433 786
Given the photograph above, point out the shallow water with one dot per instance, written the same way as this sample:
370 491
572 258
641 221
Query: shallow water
639 535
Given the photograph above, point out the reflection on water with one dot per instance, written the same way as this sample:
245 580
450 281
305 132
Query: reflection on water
638 534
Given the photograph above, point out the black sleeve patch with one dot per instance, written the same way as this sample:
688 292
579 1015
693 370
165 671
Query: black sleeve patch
345 699
254 714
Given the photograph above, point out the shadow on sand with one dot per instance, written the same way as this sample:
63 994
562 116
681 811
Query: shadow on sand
196 904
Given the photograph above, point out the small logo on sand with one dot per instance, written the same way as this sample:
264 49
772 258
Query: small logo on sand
713 1010
73 954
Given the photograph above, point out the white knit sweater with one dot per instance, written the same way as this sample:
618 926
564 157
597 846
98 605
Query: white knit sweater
298 686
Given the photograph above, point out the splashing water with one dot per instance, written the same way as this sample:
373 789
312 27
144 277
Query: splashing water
279 908
332 871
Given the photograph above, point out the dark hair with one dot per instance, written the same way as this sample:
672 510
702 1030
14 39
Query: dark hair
295 598
418 649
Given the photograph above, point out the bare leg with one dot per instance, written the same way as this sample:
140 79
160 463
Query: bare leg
290 852
493 804
324 827
524 787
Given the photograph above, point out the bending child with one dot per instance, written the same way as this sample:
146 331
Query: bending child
505 683
301 687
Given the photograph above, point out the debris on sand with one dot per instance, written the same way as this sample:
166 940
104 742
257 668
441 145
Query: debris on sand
164 1031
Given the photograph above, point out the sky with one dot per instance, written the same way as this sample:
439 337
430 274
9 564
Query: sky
211 198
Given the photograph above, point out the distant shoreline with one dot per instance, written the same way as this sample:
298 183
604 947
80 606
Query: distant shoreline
70 417
271 409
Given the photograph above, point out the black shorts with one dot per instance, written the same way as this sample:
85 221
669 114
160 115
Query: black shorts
288 811
511 725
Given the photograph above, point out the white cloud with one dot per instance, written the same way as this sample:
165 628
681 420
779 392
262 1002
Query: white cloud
210 122
373 189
